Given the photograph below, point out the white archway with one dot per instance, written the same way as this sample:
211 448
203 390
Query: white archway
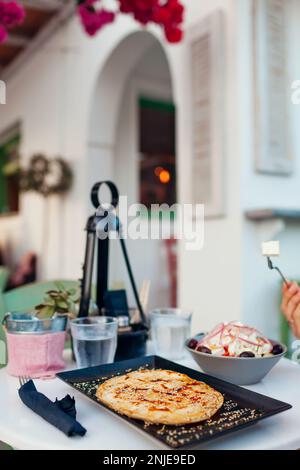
137 65
107 97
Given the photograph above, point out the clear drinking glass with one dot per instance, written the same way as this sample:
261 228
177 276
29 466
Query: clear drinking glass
94 340
170 328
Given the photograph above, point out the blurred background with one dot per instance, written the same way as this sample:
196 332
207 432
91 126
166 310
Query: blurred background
209 120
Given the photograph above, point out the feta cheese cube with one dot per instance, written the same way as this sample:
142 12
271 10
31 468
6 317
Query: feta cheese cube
270 248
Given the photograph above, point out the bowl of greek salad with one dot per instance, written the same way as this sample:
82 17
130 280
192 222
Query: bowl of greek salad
235 352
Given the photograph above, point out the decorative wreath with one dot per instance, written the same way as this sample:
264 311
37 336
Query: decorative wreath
46 176
168 14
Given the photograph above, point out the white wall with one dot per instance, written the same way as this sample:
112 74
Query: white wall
210 280
150 77
53 95
260 287
10 234
204 284
38 96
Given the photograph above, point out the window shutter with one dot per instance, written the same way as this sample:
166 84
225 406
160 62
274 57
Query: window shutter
271 117
207 84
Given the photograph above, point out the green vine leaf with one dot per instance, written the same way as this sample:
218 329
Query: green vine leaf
46 312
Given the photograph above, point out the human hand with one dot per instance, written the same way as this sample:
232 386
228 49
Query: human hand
290 306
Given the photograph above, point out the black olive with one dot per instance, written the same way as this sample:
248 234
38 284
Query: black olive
247 354
193 343
277 349
204 349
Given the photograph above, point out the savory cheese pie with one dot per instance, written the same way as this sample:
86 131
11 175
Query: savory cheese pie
160 397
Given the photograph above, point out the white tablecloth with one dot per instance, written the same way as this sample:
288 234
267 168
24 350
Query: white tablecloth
22 429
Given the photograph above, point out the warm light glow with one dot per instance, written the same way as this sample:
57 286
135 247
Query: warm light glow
158 171
164 176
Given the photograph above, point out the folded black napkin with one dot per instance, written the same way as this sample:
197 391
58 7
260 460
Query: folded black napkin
61 413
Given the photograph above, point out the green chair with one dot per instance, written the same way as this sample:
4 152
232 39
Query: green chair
4 274
25 299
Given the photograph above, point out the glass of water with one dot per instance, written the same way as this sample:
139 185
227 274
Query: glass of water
170 328
94 340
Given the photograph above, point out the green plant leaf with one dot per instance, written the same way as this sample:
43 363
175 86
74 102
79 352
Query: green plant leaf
49 300
60 286
53 295
59 300
49 304
38 307
72 307
46 312
62 304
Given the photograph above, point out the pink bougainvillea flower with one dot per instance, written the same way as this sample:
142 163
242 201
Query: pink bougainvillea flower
11 13
142 10
93 20
174 34
3 34
162 15
170 17
168 14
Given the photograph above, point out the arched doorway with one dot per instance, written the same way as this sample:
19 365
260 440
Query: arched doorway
132 98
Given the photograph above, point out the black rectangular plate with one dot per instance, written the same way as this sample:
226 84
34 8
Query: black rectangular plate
241 407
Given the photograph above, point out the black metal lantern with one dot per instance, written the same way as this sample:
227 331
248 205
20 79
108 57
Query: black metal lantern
98 229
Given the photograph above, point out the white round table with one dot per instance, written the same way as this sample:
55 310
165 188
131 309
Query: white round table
23 429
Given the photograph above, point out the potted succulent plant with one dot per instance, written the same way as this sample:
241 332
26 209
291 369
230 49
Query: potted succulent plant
57 303
36 341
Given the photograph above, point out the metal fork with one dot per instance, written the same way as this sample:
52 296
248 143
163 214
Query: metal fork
271 266
23 379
